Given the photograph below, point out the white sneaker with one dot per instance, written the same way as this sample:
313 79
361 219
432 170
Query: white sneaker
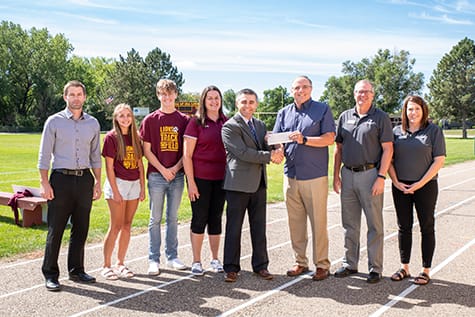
153 268
176 264
197 269
217 266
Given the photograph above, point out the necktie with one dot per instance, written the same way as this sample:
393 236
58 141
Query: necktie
253 130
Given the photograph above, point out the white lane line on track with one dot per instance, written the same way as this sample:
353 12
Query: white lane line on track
170 283
188 245
98 269
99 245
265 295
335 205
144 257
275 290
413 287
187 277
258 298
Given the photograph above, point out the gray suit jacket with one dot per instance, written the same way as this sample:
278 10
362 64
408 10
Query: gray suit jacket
245 159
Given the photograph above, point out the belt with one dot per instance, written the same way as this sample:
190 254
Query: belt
71 172
361 168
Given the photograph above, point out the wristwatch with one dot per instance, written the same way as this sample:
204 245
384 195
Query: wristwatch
304 140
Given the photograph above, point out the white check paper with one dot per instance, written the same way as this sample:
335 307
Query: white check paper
278 138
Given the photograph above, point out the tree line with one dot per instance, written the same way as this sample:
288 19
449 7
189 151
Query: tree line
34 66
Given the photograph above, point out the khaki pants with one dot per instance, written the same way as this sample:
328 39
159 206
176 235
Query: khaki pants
308 199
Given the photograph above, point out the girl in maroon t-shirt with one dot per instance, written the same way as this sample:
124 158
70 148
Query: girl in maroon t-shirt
123 188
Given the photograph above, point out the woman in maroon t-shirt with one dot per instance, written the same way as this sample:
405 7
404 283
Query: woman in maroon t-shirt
204 161
123 188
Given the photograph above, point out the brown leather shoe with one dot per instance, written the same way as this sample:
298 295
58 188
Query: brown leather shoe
320 274
230 277
297 270
265 274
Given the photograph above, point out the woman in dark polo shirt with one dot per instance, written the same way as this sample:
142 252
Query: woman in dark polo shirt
204 161
419 154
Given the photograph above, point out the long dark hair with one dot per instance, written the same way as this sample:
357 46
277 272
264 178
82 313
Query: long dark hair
201 115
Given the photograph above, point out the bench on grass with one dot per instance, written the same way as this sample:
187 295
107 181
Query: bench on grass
31 207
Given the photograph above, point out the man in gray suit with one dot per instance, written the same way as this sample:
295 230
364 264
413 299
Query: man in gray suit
245 182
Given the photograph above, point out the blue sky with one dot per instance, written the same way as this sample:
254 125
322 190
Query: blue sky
255 44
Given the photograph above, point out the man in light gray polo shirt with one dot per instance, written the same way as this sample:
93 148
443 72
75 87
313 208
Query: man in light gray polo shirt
364 146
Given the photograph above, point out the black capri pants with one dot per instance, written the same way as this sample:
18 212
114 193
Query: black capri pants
424 201
208 209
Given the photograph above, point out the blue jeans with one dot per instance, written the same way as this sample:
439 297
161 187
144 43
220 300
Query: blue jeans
158 189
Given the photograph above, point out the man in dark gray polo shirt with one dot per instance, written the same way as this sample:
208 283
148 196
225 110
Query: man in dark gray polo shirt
364 146
71 140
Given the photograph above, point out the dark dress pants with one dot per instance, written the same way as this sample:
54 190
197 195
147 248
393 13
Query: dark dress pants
237 203
73 198
424 201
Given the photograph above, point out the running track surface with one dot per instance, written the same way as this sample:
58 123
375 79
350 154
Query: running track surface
451 291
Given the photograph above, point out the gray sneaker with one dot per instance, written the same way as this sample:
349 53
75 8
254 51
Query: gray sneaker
216 266
176 264
197 269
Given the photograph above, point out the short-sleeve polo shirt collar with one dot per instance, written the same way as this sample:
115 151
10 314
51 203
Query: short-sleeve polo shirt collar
371 111
220 118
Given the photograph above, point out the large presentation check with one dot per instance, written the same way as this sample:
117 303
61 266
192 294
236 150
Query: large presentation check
277 138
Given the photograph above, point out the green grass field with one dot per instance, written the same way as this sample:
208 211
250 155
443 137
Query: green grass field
19 154
457 133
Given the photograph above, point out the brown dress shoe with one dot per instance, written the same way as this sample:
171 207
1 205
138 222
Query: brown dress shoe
320 274
297 270
265 274
230 277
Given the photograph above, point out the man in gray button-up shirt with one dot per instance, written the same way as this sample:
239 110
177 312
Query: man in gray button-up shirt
71 144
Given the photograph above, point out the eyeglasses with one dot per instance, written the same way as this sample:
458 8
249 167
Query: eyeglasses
360 92
301 87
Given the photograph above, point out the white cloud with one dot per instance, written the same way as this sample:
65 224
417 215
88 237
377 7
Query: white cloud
137 8
301 23
442 19
453 7
86 3
263 53
465 6
86 18
241 48
439 8
311 50
186 64
408 3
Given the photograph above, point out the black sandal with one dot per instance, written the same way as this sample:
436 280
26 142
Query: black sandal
422 279
400 275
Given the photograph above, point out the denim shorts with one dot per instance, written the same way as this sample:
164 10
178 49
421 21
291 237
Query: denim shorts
129 190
